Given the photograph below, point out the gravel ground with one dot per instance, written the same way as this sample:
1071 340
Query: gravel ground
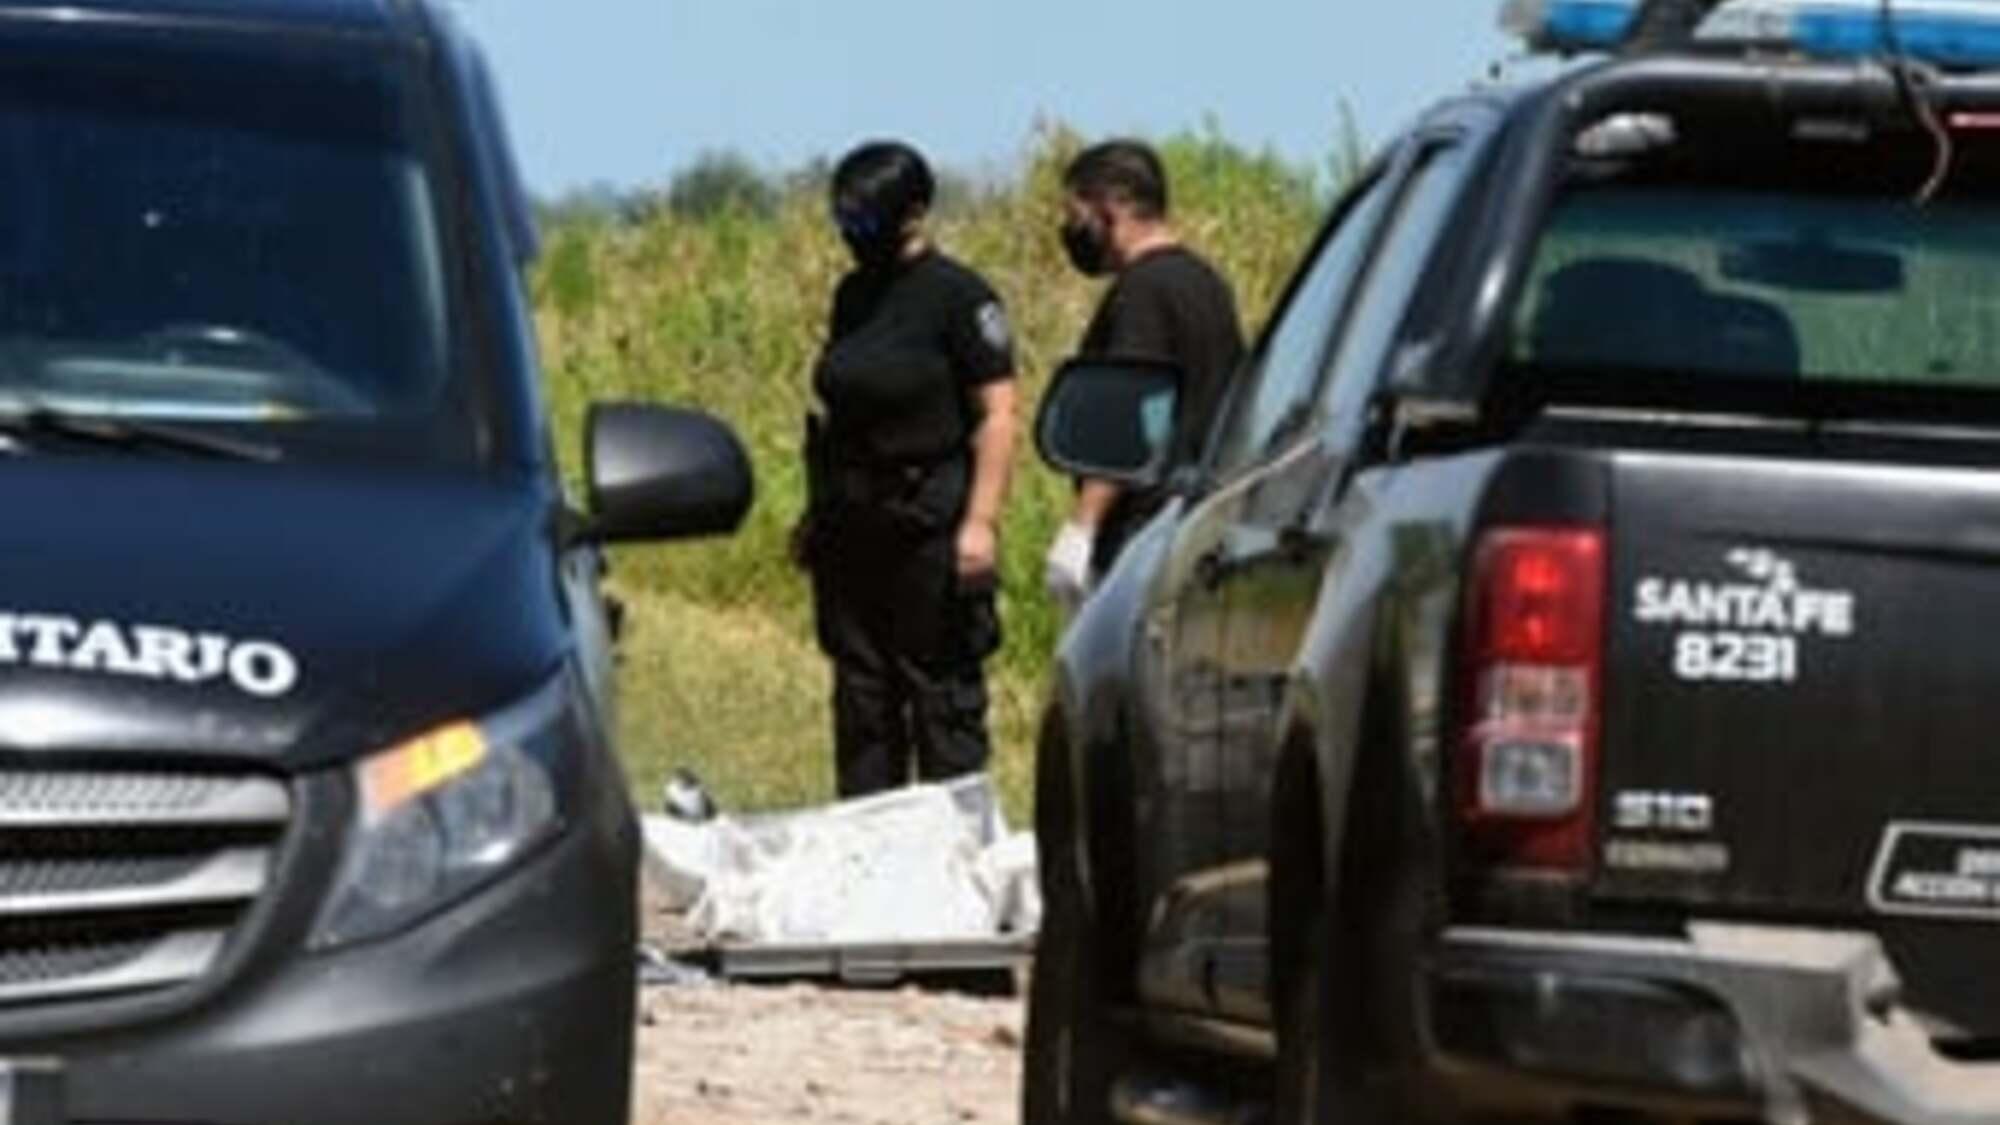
719 1054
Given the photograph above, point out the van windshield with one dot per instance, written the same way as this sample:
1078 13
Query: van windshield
224 239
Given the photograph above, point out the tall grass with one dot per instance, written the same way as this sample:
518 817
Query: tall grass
728 313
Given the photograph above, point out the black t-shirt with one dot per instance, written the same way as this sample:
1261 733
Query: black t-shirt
1172 305
1169 305
909 348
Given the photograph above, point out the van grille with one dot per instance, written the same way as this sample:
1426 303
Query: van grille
113 883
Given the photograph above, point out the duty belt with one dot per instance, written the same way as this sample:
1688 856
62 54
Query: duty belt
865 481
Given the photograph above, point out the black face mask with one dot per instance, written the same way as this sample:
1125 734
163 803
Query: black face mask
875 243
874 253
1089 248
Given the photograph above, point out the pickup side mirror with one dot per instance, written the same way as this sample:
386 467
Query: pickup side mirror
659 472
1111 419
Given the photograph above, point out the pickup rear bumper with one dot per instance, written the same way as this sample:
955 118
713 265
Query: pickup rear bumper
1783 1025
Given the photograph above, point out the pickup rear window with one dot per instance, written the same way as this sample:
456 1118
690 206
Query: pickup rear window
1758 283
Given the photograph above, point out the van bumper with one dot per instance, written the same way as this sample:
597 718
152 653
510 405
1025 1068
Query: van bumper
1732 1022
514 1007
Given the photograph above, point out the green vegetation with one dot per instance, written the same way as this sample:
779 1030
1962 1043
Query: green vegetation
719 300
718 183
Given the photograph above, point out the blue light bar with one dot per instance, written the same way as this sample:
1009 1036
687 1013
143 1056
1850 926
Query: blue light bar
1959 34
1943 36
1570 25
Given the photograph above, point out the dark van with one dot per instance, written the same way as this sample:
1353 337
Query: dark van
308 805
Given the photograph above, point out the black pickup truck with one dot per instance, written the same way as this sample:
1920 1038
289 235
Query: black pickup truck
1562 692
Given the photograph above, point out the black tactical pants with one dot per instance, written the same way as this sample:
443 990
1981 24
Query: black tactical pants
907 638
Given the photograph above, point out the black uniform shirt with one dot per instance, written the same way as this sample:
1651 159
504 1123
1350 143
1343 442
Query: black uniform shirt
909 348
1169 305
1172 305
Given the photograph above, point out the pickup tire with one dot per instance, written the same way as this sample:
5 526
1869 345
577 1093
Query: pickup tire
1073 1051
1345 1031
1318 1079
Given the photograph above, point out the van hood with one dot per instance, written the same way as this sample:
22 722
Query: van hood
289 614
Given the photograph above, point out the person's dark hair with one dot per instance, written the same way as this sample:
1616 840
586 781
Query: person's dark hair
1122 169
887 179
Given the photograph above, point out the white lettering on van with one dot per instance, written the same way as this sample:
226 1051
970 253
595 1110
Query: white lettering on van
146 652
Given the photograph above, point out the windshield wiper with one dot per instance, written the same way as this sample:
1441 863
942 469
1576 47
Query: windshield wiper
120 433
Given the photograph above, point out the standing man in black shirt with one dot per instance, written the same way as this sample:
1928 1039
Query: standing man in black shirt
1167 303
909 465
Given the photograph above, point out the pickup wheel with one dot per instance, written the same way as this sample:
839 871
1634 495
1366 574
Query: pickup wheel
1318 1079
1073 1050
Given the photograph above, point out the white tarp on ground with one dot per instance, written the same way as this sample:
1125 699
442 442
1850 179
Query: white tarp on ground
929 863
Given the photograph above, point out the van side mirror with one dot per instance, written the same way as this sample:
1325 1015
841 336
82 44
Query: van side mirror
660 472
1111 419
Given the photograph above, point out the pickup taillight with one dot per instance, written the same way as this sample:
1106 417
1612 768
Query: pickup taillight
1533 687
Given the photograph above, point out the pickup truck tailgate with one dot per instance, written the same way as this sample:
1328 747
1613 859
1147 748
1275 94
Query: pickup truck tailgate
1802 706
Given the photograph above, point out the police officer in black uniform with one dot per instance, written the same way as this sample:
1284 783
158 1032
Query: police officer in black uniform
909 462
1168 303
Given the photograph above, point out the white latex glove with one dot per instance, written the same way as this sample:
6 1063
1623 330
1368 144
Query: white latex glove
1069 565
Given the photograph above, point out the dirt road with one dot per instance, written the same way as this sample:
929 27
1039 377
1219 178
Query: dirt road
768 1056
737 1055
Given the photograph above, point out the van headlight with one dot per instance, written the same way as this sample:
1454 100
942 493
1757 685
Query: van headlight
444 813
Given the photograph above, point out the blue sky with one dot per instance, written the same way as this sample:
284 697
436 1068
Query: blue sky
627 91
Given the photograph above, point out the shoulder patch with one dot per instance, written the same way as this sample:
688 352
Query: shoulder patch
993 327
